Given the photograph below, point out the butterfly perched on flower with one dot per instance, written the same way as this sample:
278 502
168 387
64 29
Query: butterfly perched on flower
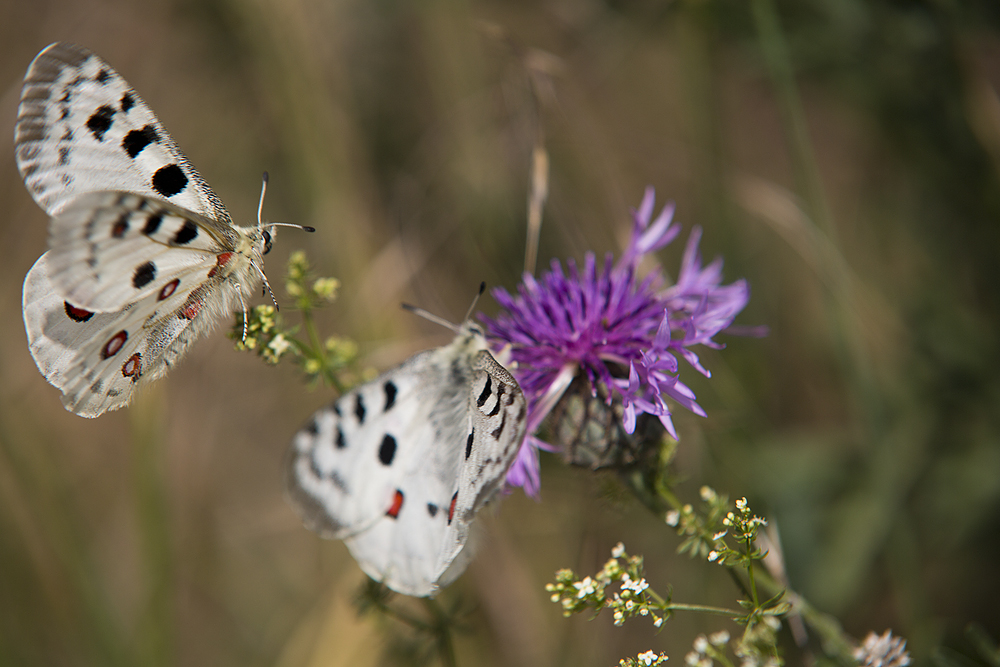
143 257
398 467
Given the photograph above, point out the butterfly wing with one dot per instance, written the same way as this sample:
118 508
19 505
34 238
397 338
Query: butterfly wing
98 359
81 128
497 422
398 467
140 245
111 249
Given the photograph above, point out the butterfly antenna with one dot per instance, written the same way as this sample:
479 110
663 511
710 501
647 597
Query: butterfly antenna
260 211
260 204
305 228
475 300
430 316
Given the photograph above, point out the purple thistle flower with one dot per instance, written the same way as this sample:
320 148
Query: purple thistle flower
596 319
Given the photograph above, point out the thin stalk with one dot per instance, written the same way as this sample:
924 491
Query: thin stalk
442 630
156 625
320 351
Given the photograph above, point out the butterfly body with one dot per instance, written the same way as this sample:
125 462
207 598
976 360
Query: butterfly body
143 258
399 467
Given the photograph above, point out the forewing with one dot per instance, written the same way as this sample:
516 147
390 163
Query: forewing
110 249
81 128
98 359
496 428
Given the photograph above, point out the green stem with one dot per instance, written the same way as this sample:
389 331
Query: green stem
442 630
753 585
835 642
708 609
320 351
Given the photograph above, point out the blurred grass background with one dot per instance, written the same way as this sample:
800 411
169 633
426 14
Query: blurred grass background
842 155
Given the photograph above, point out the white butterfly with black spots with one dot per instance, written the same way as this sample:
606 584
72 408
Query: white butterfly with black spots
399 466
143 257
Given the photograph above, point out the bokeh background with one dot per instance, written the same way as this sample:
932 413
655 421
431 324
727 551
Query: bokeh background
842 155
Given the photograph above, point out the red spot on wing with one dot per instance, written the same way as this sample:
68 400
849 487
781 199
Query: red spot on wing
76 314
451 507
169 288
221 260
192 309
397 504
116 342
133 367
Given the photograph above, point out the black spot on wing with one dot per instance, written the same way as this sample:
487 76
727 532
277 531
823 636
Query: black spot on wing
100 121
390 395
169 180
359 408
152 223
487 390
136 140
186 233
387 451
144 274
336 410
102 76
432 509
499 429
312 428
501 388
127 102
468 444
340 442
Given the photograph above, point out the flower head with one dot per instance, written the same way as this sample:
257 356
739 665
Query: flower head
621 333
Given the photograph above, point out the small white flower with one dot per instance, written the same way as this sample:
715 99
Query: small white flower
701 644
707 493
692 659
629 605
719 536
720 638
279 345
618 550
772 622
741 504
648 657
673 518
585 587
658 622
713 556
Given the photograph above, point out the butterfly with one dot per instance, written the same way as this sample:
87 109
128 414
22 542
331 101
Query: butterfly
143 257
398 467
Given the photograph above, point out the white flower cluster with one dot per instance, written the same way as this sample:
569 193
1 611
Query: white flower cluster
882 651
647 659
707 648
632 599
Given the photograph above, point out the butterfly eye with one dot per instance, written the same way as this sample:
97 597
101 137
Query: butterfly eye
267 242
